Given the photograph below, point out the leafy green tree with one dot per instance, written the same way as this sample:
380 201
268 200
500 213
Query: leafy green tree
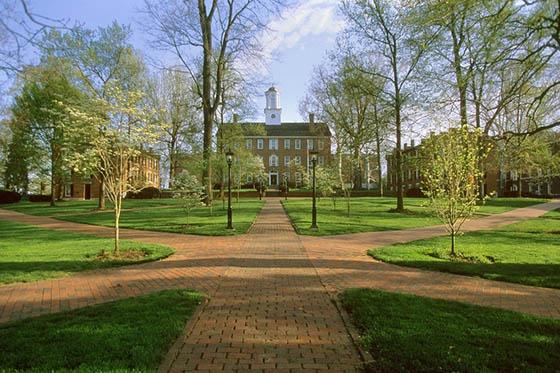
103 59
450 176
38 107
189 190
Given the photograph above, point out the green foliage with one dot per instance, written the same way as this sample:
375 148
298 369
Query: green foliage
526 252
450 176
129 335
189 190
407 333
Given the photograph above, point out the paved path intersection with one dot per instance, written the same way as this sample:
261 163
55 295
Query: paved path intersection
269 291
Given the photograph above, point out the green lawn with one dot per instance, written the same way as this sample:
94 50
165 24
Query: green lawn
527 252
130 335
29 253
405 333
156 215
369 214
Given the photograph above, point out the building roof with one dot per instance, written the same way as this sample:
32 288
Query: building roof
288 129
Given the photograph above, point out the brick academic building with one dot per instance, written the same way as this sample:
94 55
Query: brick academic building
283 144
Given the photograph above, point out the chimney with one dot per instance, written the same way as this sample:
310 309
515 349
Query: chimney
235 118
412 143
311 118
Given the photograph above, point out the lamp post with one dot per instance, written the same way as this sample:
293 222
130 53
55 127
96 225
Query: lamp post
286 187
229 159
313 155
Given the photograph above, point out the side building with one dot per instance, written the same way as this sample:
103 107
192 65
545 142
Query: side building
498 180
146 174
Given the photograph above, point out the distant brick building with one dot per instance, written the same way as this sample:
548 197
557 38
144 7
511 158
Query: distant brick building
282 144
147 175
497 180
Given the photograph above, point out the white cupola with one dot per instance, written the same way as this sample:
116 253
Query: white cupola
272 111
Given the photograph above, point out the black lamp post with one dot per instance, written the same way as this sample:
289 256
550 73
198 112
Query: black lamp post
286 187
229 159
313 155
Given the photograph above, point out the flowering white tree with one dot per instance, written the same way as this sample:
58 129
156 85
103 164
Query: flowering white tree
112 153
450 176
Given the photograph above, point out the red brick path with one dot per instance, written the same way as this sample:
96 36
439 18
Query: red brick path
269 306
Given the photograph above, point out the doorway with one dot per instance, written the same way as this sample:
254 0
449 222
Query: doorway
87 191
273 179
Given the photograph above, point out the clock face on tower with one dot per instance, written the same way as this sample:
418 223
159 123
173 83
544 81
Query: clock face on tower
273 116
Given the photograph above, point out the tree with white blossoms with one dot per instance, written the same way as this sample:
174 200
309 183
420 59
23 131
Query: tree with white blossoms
450 176
189 190
112 153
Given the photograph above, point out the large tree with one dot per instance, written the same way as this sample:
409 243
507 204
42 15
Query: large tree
209 38
36 110
385 31
102 58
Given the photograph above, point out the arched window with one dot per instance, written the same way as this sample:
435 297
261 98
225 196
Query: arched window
273 160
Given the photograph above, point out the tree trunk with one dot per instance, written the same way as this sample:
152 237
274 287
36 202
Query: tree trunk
101 201
452 243
378 158
398 158
117 229
53 192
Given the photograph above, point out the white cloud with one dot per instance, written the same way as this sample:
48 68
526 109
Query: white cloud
307 18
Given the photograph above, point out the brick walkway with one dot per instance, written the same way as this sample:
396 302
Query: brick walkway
269 304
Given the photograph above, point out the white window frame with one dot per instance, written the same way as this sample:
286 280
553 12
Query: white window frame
272 144
273 160
297 160
320 144
248 144
286 160
260 144
320 160
287 143
310 144
297 144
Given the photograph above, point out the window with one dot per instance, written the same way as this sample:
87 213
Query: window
249 178
298 178
297 160
273 160
310 144
286 177
286 160
297 144
249 144
321 160
321 144
260 143
286 143
273 144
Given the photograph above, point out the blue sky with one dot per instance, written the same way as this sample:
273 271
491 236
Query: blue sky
298 40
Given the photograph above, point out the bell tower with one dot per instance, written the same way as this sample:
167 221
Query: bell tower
272 111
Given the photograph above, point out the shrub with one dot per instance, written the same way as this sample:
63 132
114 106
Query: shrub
146 193
39 198
7 196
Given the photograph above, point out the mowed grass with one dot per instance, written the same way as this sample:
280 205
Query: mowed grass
29 253
368 214
164 215
406 333
129 335
527 252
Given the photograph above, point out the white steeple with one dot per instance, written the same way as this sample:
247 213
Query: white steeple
273 111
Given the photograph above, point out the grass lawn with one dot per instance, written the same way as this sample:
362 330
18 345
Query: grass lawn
527 252
133 334
156 215
409 333
369 214
29 253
